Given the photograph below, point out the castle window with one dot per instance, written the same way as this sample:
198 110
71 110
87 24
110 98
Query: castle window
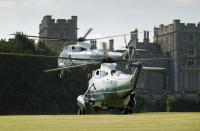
61 35
190 37
190 80
190 56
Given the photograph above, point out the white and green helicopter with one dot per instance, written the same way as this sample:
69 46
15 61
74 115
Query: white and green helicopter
111 89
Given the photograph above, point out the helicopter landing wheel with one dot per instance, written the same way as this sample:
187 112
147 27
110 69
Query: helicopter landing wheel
81 111
125 111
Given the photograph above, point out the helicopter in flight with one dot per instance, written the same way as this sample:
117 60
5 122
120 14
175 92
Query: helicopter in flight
73 54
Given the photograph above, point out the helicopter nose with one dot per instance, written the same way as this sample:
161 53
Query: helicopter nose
81 101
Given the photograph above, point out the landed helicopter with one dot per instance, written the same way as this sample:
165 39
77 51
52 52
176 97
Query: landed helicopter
111 89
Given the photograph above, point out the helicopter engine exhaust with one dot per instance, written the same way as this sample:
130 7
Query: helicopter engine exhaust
81 101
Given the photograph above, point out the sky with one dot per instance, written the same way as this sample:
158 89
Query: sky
106 17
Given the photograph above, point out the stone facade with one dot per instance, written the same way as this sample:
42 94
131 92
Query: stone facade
60 28
181 42
150 83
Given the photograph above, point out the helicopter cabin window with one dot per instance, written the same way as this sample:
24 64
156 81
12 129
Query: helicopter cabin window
74 49
82 49
112 72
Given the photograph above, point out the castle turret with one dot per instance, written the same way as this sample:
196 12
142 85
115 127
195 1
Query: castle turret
60 29
146 37
134 38
111 45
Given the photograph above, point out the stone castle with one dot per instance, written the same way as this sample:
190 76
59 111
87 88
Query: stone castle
181 43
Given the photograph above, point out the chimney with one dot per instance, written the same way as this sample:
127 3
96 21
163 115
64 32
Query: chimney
93 44
146 37
155 37
111 45
134 38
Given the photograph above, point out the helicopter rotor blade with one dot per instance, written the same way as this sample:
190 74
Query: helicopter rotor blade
155 69
86 34
79 39
102 60
49 38
150 59
125 41
142 50
45 56
106 37
68 67
152 69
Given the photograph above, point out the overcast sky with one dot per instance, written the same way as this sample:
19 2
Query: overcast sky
106 17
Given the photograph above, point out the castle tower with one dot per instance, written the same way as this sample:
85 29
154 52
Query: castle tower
182 43
59 29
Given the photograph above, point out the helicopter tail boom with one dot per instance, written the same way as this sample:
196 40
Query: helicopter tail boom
138 68
135 76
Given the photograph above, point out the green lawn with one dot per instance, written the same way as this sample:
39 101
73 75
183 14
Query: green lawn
137 122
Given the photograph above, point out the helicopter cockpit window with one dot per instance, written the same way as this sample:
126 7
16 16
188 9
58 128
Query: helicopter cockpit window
97 72
103 73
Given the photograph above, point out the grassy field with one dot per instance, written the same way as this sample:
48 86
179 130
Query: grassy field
135 122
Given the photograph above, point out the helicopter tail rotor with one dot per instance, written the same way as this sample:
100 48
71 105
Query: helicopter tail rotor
88 32
81 39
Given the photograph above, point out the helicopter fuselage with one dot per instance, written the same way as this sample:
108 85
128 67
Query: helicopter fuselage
84 51
108 88
109 91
